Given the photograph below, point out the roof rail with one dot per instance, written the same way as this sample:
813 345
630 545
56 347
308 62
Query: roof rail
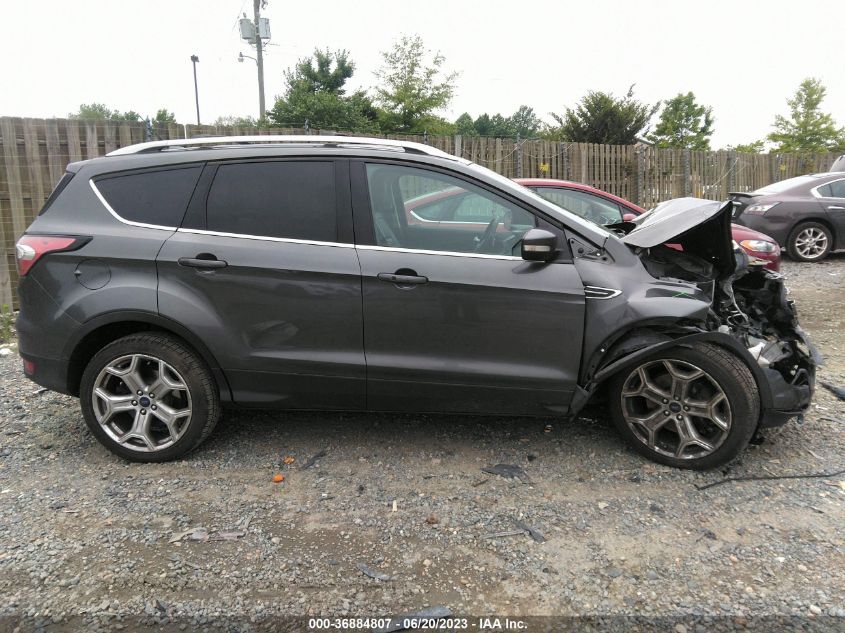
270 139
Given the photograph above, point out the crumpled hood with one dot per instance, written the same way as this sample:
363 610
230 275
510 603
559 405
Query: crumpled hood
701 227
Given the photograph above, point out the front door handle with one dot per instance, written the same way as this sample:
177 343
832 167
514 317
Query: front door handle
835 207
203 260
402 280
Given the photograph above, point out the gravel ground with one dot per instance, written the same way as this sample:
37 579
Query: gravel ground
87 540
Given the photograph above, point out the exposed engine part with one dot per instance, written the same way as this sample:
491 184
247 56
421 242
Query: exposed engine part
751 305
768 352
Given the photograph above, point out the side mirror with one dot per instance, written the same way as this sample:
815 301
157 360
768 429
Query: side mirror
538 245
629 217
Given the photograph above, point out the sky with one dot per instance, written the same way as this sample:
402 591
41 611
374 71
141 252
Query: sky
744 58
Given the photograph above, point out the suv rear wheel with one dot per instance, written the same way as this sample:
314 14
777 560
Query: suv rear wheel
148 398
689 407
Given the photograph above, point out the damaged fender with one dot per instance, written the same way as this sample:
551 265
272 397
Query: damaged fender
682 281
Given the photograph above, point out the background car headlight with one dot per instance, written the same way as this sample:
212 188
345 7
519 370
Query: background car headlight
759 209
760 246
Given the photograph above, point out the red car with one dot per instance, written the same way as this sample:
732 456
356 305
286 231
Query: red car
604 208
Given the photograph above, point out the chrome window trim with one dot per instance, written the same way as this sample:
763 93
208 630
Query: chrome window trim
815 190
419 251
600 292
344 245
265 238
480 224
124 220
422 219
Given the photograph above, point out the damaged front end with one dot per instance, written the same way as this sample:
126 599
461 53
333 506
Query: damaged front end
700 287
690 240
752 306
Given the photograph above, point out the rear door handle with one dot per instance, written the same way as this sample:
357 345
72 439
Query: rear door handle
203 260
402 280
835 207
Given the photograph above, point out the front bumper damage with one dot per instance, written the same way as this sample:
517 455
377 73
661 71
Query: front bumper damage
753 307
685 246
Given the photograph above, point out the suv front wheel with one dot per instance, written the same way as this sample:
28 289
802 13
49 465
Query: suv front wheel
689 407
148 398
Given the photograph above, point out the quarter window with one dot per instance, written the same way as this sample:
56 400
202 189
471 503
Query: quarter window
152 197
286 199
836 189
426 210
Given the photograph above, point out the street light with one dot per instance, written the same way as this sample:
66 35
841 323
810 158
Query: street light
194 60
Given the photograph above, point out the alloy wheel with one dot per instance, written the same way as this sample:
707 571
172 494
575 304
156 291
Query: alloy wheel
676 409
811 243
141 402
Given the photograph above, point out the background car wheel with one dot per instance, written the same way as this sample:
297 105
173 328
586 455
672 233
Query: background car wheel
809 242
148 398
690 407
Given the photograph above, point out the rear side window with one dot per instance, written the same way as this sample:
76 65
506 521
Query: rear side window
151 197
287 199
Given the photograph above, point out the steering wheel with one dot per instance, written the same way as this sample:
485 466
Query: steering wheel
488 238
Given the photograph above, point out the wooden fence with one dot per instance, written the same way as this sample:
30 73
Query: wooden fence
36 151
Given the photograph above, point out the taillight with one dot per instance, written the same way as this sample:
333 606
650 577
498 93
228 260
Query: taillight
759 209
31 248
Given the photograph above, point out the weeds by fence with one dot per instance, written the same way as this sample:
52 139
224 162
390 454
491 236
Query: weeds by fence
36 151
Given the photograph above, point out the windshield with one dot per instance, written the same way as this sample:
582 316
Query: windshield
784 185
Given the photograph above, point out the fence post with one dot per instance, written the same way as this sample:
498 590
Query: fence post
518 157
459 146
733 157
639 153
564 153
687 173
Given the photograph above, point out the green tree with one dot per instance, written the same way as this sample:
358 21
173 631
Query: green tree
163 117
413 86
524 122
314 92
754 147
236 121
602 118
465 126
807 129
101 112
324 71
484 125
684 124
500 126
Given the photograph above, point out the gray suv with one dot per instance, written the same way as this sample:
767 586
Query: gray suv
169 279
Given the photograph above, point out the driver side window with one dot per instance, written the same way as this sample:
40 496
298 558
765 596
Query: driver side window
426 210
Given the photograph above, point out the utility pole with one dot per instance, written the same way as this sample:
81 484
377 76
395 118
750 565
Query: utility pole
259 58
195 59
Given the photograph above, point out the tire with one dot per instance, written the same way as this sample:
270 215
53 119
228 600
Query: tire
142 428
725 427
809 242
